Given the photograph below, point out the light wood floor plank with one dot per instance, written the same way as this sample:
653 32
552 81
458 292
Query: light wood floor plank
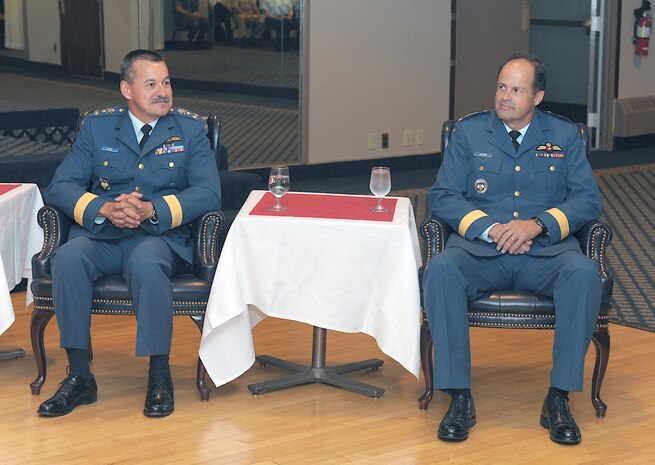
318 424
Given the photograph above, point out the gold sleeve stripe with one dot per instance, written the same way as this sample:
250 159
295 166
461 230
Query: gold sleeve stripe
80 207
468 220
176 210
562 220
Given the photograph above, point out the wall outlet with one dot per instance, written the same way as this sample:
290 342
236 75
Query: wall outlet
407 138
385 140
420 137
372 141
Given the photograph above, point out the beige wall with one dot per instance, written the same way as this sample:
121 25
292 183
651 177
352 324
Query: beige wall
636 74
43 31
375 66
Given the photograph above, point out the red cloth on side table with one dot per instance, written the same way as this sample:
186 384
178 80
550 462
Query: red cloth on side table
343 207
4 188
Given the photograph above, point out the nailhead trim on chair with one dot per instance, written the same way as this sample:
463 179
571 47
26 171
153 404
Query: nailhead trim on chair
211 258
46 249
44 304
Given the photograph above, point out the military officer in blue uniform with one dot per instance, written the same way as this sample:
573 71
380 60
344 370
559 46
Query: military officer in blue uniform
513 207
134 181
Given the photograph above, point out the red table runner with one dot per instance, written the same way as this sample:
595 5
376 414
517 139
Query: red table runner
343 207
4 188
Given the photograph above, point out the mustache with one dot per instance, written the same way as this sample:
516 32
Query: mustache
160 100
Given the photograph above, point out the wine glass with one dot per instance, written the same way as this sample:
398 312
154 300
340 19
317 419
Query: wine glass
278 184
380 185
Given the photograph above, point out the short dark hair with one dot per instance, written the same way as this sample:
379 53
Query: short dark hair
539 82
139 54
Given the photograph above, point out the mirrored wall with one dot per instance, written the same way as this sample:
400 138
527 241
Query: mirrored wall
249 59
240 59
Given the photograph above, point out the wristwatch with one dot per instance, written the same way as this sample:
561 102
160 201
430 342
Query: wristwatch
154 218
542 225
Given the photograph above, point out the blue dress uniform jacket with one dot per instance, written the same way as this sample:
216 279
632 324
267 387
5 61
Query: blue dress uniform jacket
484 180
176 171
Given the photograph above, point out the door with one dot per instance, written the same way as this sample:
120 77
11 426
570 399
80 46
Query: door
81 44
557 26
485 33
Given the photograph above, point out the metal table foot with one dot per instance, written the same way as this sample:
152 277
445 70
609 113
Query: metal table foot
11 354
317 372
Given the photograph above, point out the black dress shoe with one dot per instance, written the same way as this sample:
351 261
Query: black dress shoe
159 399
459 418
72 392
556 416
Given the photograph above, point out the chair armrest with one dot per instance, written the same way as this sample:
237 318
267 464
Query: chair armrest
435 232
594 238
56 225
205 250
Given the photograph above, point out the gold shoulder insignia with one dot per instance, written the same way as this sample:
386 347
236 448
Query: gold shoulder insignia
116 110
184 112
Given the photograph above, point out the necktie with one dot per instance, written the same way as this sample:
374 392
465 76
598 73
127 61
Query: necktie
515 135
145 129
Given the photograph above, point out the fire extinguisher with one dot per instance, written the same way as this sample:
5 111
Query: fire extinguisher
642 29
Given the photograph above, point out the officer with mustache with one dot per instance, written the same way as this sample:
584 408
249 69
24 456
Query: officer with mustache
134 180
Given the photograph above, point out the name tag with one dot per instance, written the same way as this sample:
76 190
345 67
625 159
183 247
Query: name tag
482 154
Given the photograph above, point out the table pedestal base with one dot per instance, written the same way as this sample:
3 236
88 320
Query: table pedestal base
318 372
11 354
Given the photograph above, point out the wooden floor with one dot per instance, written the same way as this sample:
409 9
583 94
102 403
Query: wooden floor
319 424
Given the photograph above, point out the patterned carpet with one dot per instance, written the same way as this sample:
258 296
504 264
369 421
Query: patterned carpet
629 208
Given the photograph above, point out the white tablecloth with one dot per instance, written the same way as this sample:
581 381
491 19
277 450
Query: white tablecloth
20 238
345 275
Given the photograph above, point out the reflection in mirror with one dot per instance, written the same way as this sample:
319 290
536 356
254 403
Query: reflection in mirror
248 52
12 28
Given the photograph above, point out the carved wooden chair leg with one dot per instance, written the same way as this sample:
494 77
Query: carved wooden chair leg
201 375
601 340
427 364
38 324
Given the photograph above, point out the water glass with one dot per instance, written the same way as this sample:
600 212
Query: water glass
278 185
380 185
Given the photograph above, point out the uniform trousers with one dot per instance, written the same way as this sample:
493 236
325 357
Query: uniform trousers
454 277
147 264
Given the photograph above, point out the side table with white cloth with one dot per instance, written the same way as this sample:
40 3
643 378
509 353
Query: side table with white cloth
329 262
20 238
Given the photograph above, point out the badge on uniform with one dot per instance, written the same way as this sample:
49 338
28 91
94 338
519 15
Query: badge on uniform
105 184
481 185
549 150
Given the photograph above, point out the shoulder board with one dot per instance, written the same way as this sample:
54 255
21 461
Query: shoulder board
475 114
184 112
563 118
117 110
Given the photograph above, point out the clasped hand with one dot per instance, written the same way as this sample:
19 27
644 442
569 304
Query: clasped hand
127 210
515 237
